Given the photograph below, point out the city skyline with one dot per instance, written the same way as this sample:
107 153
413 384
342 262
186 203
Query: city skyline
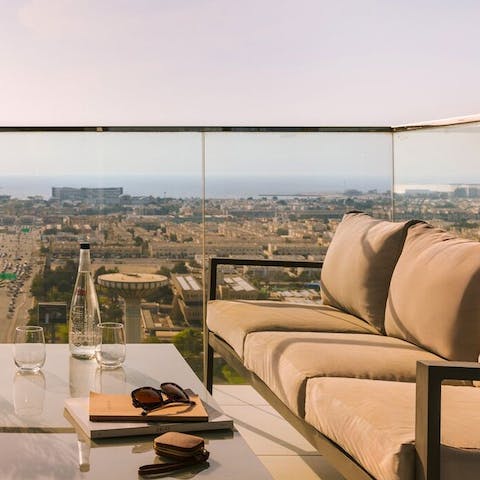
179 186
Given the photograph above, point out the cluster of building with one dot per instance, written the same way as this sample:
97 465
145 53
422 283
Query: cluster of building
189 294
163 231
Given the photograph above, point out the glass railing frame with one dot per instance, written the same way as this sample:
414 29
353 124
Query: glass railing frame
205 130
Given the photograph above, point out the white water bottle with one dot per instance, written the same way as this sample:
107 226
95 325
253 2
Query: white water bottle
84 310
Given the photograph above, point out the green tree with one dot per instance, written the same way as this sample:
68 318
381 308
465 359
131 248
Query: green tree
161 295
180 267
102 271
189 342
55 285
111 312
164 271
231 376
263 294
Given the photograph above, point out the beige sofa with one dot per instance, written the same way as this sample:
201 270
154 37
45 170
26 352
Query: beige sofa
360 375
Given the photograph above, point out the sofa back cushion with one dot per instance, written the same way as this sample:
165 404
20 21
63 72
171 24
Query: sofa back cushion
359 264
434 297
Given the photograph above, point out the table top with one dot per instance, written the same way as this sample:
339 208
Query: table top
38 442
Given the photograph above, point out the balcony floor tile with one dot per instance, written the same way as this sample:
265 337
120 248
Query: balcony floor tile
303 467
237 395
266 432
284 452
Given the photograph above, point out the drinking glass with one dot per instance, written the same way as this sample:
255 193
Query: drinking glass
110 346
29 348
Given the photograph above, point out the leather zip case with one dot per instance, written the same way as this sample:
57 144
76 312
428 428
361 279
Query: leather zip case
179 446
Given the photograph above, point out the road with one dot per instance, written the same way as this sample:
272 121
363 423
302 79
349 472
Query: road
19 255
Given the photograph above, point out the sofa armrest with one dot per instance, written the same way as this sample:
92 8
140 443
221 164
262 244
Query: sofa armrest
430 375
215 261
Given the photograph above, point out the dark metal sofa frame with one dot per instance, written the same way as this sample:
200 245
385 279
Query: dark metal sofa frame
430 376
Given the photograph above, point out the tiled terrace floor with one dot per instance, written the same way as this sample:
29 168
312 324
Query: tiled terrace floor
284 452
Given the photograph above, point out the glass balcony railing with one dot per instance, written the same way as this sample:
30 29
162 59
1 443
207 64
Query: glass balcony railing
437 177
163 200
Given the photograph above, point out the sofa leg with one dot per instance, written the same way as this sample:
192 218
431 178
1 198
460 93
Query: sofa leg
208 367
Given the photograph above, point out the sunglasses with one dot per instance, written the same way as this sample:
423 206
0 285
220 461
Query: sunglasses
149 398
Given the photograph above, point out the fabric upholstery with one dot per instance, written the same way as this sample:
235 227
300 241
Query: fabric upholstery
233 320
359 264
434 298
374 421
286 360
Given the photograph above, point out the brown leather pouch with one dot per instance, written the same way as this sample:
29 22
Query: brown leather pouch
186 450
179 446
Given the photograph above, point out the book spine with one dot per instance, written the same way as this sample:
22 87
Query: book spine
162 428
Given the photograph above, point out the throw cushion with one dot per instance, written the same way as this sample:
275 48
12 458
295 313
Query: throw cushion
359 264
434 298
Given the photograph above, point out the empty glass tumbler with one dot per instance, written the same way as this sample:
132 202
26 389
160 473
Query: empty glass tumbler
29 348
110 347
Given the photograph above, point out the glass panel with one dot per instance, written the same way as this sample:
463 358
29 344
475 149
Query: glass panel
135 196
437 177
281 196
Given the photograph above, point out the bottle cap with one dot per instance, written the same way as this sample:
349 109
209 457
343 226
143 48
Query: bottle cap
84 246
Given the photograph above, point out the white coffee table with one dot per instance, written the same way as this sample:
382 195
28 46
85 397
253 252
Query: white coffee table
38 442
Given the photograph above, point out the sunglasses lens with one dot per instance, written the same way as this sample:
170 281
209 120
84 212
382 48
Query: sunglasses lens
174 392
147 396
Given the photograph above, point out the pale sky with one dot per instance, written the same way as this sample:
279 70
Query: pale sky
230 62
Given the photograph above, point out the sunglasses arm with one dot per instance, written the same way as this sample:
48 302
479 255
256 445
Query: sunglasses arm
183 402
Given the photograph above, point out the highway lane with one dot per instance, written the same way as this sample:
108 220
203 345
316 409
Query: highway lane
19 254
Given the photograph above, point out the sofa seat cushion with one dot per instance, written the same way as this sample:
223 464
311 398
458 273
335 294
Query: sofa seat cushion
434 298
374 421
286 360
359 264
232 320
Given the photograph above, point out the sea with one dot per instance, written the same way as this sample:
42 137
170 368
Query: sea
188 186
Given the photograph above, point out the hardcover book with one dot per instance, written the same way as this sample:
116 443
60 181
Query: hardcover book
107 408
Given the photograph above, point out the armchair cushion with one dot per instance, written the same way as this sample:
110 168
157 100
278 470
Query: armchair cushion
359 264
286 360
374 421
434 297
233 320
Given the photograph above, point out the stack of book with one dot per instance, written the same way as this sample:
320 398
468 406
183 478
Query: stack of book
105 416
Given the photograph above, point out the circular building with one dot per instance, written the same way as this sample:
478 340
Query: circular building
132 287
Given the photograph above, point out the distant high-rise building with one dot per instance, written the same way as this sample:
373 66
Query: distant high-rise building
96 196
467 190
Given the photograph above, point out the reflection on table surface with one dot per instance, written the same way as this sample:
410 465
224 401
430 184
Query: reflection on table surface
28 393
72 456
33 402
